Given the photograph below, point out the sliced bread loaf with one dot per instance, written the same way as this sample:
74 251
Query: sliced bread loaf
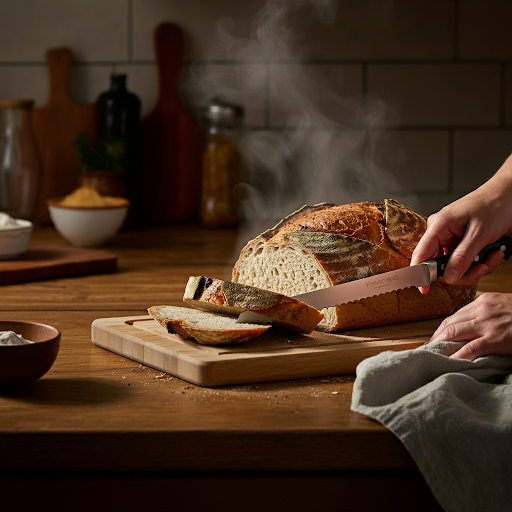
206 328
226 297
324 245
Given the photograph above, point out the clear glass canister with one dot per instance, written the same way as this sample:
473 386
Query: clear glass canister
221 165
20 165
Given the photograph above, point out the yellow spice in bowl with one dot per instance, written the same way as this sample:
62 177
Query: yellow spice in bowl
87 196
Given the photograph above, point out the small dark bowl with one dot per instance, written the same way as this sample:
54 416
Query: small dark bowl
22 364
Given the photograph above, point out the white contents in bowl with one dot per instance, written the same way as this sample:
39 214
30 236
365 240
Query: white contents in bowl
10 338
7 222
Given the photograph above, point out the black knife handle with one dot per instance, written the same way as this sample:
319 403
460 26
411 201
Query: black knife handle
504 244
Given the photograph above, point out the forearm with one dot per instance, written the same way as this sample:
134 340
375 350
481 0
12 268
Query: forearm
497 191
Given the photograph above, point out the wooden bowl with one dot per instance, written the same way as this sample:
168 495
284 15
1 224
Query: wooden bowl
22 364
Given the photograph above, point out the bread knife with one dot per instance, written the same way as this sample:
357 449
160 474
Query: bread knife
422 274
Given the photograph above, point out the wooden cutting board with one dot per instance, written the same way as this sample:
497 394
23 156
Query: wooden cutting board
171 150
56 126
45 261
275 355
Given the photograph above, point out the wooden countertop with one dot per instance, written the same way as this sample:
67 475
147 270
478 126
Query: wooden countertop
97 411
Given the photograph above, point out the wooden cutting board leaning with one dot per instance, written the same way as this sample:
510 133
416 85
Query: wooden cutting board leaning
275 355
171 151
56 126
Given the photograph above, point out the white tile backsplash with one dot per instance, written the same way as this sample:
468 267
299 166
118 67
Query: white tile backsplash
478 155
439 94
199 21
244 85
95 30
438 71
381 30
30 82
432 203
484 29
323 95
419 159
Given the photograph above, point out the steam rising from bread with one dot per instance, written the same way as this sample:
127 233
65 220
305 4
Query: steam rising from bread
316 146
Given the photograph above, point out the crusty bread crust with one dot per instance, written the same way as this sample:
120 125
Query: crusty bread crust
326 244
205 328
404 227
226 297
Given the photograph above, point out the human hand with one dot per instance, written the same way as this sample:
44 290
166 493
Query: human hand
486 325
465 227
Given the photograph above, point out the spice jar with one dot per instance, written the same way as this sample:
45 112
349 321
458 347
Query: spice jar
221 164
20 166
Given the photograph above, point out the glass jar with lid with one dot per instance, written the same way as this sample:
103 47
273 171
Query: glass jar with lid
20 165
221 164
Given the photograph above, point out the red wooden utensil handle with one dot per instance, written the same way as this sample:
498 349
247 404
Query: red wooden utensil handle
59 64
169 51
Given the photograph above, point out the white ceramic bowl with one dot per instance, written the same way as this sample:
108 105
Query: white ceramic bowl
86 226
14 241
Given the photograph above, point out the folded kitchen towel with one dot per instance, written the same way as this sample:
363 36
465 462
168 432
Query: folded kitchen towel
453 416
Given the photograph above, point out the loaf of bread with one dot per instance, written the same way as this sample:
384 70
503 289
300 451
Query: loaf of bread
326 244
206 328
229 298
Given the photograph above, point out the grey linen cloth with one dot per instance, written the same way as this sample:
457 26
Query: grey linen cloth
453 416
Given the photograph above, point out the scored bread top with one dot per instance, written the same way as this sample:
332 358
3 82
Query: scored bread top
404 226
360 220
346 258
348 241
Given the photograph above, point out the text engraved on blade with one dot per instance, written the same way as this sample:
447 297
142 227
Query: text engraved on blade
381 283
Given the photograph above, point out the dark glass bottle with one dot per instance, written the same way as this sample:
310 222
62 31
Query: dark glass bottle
118 119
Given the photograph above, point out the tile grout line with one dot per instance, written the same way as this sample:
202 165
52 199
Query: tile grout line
130 15
456 31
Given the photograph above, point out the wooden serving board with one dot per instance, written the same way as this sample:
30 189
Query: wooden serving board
47 261
275 355
56 126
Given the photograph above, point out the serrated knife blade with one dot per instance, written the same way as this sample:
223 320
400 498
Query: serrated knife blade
416 275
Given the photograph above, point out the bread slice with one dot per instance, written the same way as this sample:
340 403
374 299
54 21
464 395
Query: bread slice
206 328
226 297
326 244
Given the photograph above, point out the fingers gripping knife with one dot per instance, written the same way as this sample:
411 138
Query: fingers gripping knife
415 275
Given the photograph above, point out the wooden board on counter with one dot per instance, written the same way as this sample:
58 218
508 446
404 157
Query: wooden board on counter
47 261
275 355
171 150
56 126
